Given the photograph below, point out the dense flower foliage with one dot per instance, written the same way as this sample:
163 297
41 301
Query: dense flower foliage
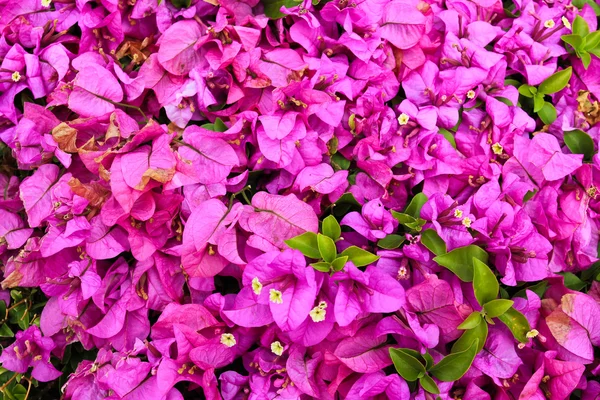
281 199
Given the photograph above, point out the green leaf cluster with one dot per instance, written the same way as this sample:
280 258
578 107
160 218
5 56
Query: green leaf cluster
322 247
584 43
554 83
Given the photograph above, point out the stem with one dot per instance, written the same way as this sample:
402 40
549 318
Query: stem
7 383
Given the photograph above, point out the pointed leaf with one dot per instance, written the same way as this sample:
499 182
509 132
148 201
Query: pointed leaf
429 384
417 202
538 102
433 242
478 333
556 82
574 40
580 26
485 283
339 263
517 323
460 261
326 247
407 366
474 319
306 243
592 40
321 266
359 257
526 90
391 242
580 142
331 227
497 307
548 113
455 365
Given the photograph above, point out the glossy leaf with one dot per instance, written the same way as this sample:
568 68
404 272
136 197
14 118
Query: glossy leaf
580 142
517 323
497 307
331 227
474 319
433 242
321 266
460 261
455 365
306 243
358 256
428 360
407 366
326 248
538 102
478 333
527 91
592 40
575 41
580 26
485 284
339 263
414 207
391 242
273 7
556 82
548 113
429 384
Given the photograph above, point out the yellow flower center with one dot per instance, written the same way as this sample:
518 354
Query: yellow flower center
549 23
318 314
228 339
16 76
275 296
46 3
497 148
402 273
277 348
471 94
566 22
403 119
322 305
458 213
467 222
532 333
256 286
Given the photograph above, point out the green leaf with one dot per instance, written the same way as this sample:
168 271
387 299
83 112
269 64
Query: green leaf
580 26
497 307
538 102
339 263
181 3
391 242
218 126
517 323
321 266
340 162
454 366
573 282
586 59
580 142
548 113
529 195
332 145
504 100
449 136
433 242
5 331
460 261
428 360
474 319
326 247
407 366
429 384
272 7
332 228
556 82
539 289
306 243
527 91
485 283
414 208
359 257
478 333
574 40
592 40
19 392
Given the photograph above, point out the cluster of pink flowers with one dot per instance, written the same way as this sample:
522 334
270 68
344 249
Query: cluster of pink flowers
275 199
